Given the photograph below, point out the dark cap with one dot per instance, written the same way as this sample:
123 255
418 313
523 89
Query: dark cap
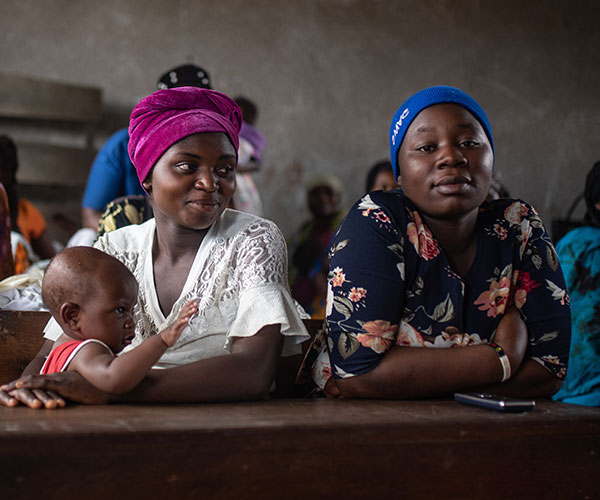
188 75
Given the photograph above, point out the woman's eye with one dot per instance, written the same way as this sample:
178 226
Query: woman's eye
120 310
469 144
225 170
185 167
425 148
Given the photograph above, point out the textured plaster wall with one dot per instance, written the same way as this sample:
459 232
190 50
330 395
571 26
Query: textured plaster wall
329 74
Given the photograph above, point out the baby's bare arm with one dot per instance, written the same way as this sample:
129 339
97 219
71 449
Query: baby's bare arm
117 375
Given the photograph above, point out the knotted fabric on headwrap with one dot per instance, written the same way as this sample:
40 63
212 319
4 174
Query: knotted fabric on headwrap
425 98
167 116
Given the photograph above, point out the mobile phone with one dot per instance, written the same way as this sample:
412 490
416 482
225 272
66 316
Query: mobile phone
494 402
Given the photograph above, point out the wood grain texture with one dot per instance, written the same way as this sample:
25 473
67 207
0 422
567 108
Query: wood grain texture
300 449
21 337
40 99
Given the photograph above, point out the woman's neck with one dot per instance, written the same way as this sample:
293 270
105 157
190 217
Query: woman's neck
175 243
457 238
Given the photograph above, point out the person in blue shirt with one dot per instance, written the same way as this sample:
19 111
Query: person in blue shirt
112 174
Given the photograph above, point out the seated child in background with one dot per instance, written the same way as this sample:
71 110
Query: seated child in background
91 295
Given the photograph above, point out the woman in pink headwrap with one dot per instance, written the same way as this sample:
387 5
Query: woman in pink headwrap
183 144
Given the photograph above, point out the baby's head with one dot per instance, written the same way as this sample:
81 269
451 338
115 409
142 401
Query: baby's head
91 295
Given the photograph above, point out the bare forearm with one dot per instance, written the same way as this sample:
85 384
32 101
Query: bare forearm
35 365
419 372
531 380
90 218
245 374
129 369
223 378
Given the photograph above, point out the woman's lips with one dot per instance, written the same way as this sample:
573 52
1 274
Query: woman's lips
204 205
453 185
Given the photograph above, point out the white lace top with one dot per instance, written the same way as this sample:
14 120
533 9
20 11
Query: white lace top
239 277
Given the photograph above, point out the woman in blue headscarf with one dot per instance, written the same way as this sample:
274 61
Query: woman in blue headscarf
433 265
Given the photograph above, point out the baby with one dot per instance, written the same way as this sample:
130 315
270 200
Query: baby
91 295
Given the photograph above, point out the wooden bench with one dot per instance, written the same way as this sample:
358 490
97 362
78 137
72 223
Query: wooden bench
21 337
54 125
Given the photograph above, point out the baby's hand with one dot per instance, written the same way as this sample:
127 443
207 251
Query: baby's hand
170 334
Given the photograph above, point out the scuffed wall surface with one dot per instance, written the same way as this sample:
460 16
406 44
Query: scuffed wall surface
328 75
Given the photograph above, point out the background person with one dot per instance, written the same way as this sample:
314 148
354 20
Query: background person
579 256
310 244
381 177
252 142
29 235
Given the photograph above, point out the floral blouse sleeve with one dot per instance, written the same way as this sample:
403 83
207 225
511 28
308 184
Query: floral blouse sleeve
365 289
538 288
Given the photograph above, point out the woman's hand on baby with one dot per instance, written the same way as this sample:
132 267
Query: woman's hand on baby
170 334
50 391
511 335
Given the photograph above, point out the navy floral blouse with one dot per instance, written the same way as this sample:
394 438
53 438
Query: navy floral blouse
390 283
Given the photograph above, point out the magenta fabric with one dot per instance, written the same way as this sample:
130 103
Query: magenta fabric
254 137
169 115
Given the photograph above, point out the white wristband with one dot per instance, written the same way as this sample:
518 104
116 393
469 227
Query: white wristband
504 361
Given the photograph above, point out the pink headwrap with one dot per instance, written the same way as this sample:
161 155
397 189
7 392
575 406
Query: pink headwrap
169 115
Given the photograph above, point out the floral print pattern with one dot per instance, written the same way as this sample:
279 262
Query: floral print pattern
391 284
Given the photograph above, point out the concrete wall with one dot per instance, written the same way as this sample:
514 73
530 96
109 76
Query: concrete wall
329 74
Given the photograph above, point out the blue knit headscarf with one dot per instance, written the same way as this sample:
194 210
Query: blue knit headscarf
424 99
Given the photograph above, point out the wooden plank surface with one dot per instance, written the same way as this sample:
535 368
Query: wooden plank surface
300 449
47 164
21 337
31 98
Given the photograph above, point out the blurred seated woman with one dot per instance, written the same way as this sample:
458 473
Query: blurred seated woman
183 144
29 235
579 256
431 289
308 248
381 177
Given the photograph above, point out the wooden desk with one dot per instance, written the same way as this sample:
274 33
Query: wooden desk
300 449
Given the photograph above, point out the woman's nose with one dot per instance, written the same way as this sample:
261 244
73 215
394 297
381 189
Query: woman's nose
206 181
451 155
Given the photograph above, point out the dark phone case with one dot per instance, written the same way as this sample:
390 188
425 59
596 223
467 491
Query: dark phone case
494 402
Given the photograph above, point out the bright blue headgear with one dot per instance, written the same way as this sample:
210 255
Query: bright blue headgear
424 99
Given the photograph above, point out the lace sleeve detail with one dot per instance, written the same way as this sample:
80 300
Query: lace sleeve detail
264 296
262 257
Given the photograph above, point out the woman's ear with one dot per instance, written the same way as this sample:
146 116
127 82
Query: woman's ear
399 181
147 182
69 315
